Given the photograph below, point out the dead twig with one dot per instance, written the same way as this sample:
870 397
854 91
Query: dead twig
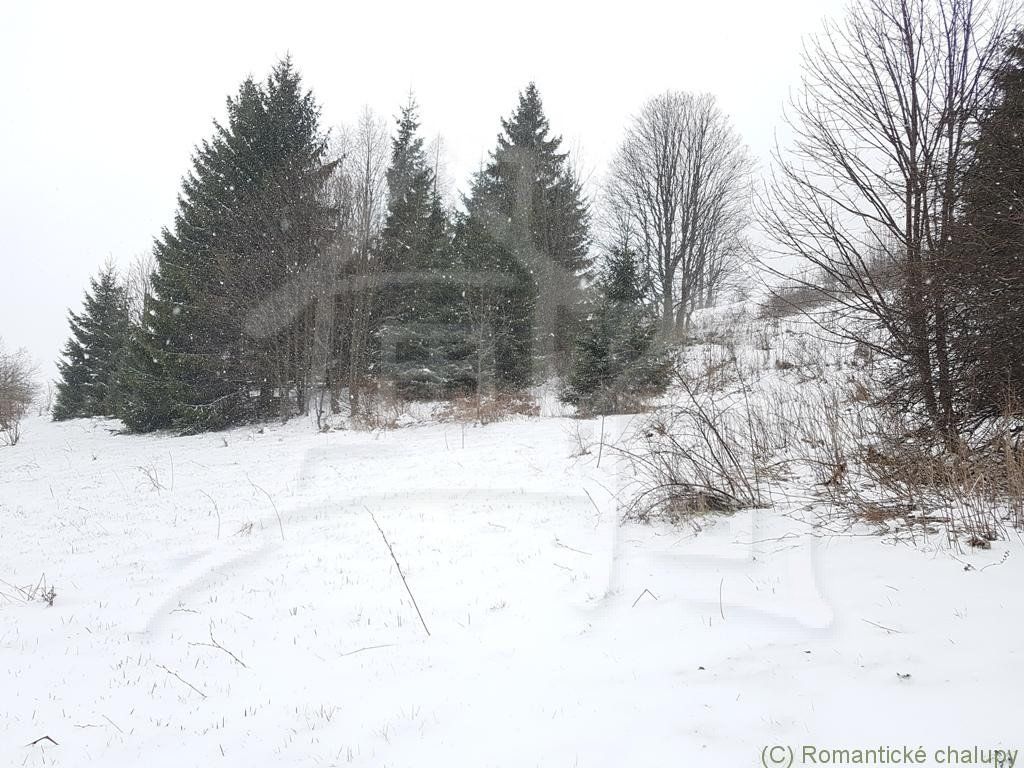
215 509
880 626
368 648
593 502
271 499
645 592
42 738
214 644
152 474
399 567
174 674
571 549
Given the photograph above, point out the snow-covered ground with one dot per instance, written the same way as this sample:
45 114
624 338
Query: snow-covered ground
227 599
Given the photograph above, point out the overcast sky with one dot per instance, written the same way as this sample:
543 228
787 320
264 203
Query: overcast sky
102 103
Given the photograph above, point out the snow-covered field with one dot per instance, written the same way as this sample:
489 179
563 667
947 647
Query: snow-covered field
227 599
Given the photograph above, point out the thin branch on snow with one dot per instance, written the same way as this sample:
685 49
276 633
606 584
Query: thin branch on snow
174 674
215 509
42 738
214 644
558 543
271 499
645 592
368 648
399 567
881 626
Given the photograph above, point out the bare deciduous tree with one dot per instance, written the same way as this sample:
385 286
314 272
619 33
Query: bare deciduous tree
678 194
18 388
138 283
361 191
44 399
444 183
881 131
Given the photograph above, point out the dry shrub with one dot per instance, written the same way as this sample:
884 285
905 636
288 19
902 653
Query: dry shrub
875 467
718 368
487 409
382 408
17 391
717 452
693 458
805 359
733 433
794 299
977 492
860 393
765 335
620 402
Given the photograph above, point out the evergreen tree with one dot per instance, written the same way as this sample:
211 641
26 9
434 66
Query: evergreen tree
295 227
218 346
93 354
527 231
617 361
985 281
421 342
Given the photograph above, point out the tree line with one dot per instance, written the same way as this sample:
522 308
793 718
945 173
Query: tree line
307 269
312 270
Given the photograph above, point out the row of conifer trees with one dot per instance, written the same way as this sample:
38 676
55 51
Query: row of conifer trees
297 276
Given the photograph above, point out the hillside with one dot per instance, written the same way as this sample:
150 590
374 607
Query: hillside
228 599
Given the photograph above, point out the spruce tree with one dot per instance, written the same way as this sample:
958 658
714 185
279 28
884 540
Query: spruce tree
420 339
985 280
188 322
527 231
617 360
293 227
217 346
93 354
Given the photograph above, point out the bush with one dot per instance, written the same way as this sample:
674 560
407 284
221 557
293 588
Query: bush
490 408
17 391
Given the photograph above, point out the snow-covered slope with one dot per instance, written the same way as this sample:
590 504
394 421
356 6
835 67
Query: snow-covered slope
227 599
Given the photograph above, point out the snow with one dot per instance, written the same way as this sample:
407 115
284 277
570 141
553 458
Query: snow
226 599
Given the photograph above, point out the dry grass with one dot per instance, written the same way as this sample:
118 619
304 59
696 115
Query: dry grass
40 591
977 492
487 409
788 300
799 414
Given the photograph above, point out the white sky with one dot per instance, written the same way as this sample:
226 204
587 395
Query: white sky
101 104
